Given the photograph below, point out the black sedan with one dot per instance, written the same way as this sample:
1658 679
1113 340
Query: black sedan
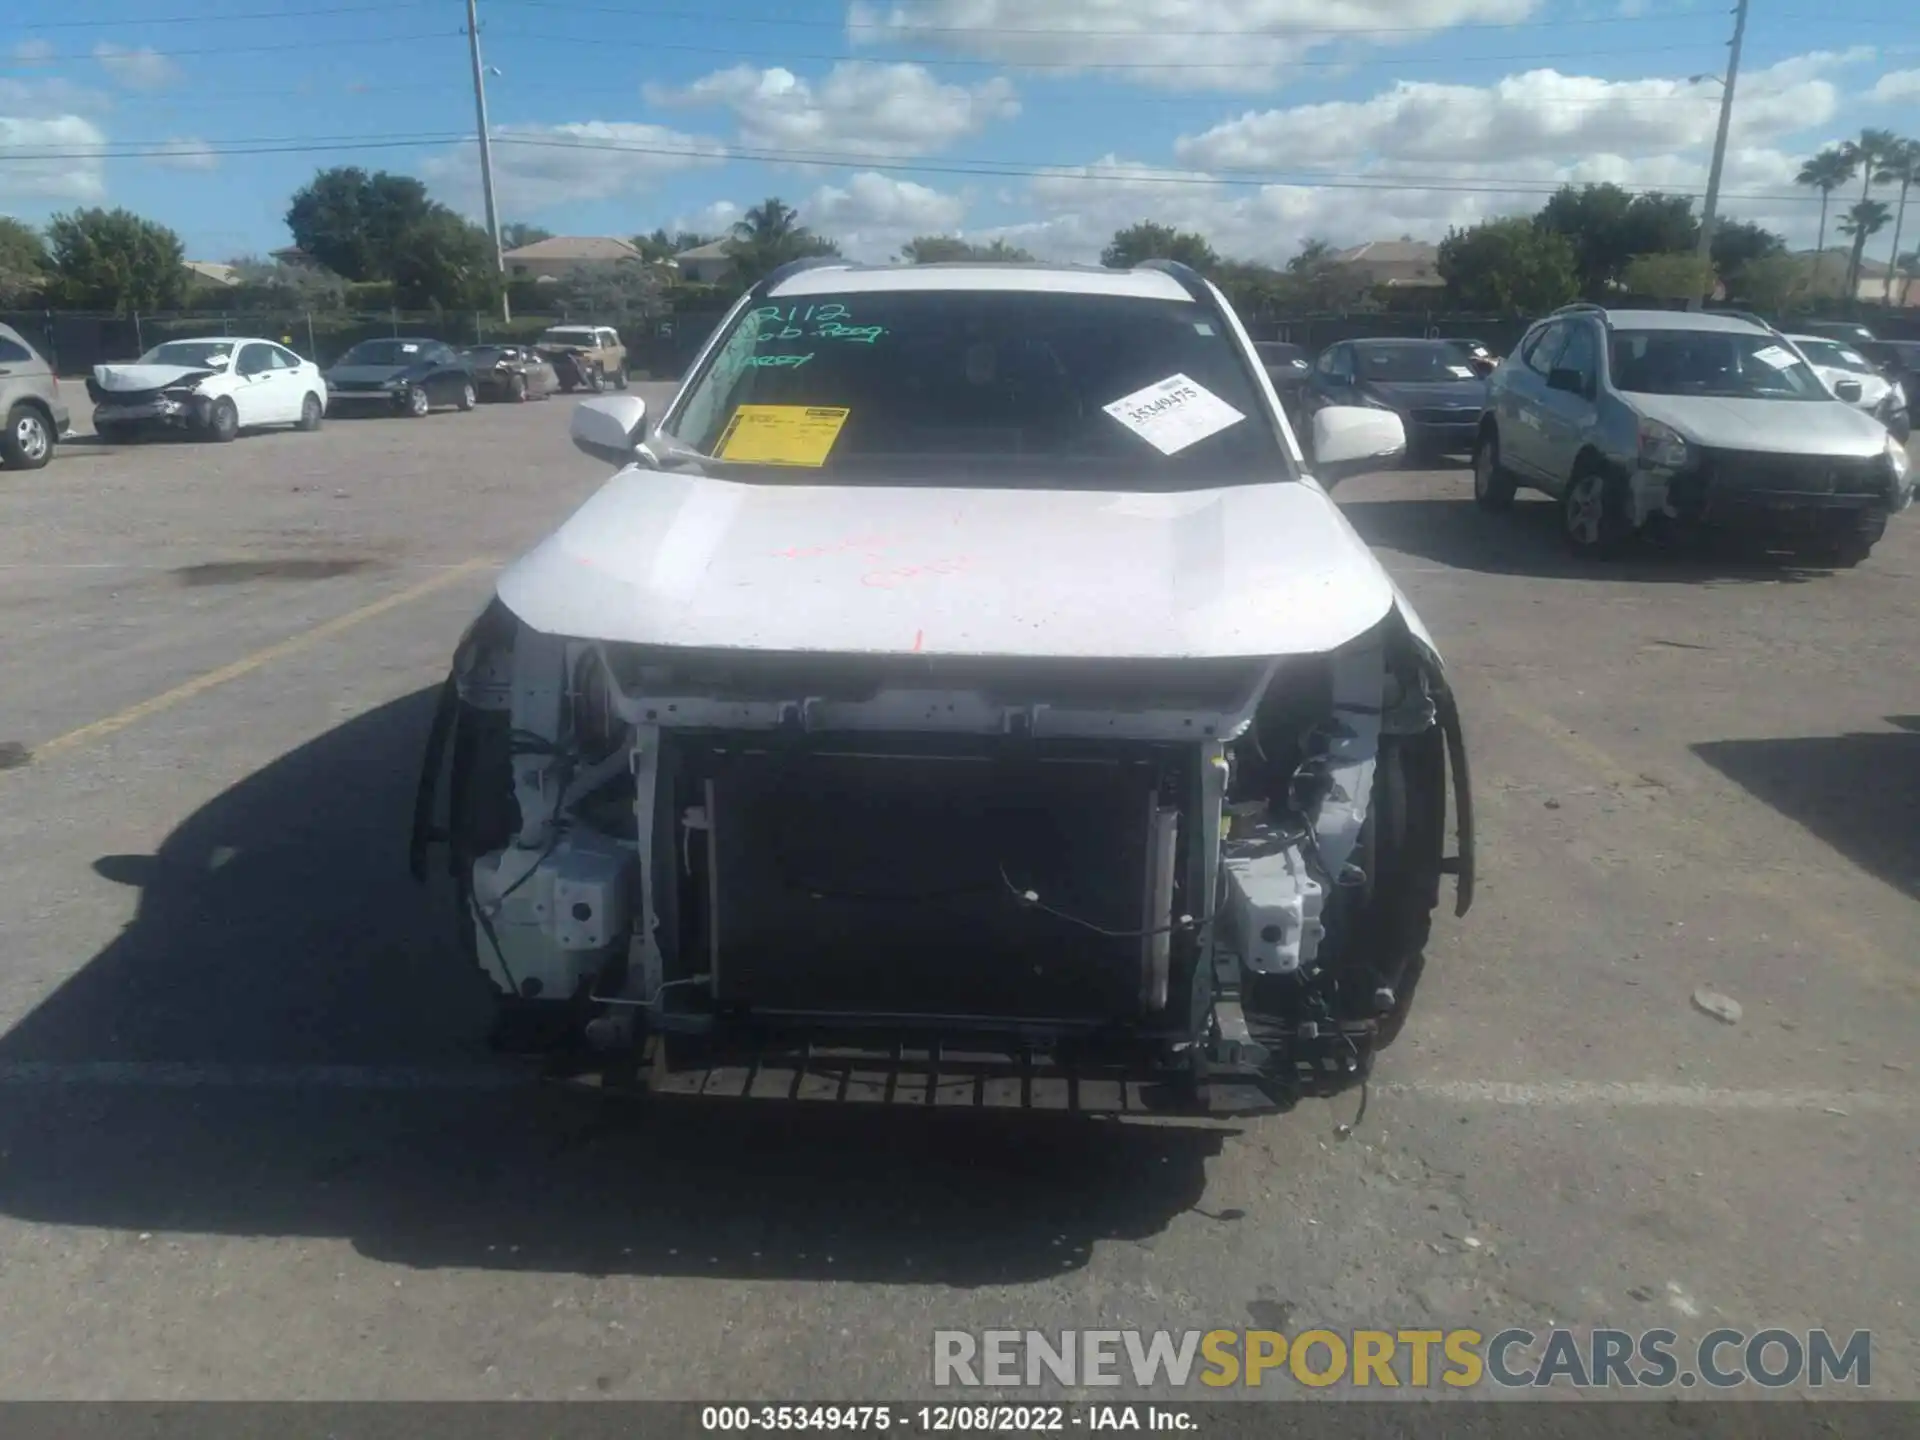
1429 384
1287 366
401 376
511 372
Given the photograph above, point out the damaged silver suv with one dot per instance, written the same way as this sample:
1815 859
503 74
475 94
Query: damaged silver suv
1635 418
962 684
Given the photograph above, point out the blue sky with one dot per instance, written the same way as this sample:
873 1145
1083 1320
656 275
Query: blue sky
1263 122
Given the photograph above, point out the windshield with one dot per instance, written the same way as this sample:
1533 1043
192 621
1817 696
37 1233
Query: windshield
1023 388
1834 355
385 352
1438 361
1724 363
203 354
568 337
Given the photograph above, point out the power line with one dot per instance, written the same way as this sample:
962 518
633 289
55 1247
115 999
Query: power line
1233 176
145 54
125 22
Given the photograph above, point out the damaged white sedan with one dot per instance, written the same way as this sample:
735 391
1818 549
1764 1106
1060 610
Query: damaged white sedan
962 677
214 388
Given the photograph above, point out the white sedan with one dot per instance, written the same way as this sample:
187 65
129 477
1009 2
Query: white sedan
1880 395
215 387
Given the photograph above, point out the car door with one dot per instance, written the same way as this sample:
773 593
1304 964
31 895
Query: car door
254 391
1517 405
290 385
1567 404
449 374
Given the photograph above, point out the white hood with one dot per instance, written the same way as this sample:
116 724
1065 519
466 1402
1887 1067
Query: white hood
145 377
1873 388
660 558
1790 427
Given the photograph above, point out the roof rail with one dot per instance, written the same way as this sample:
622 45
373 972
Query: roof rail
1188 277
1750 318
794 267
1581 307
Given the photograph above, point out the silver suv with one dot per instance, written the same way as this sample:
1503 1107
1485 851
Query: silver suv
1639 417
32 418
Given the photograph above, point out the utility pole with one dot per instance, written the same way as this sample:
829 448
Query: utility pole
486 151
1720 148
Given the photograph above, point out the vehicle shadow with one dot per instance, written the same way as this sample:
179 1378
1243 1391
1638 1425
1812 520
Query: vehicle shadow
1527 541
277 929
1859 793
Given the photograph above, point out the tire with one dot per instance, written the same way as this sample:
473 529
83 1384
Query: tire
311 411
467 398
1593 514
596 379
517 389
418 402
27 443
223 421
1493 483
620 377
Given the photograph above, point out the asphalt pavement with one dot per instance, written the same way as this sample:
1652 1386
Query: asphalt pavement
249 1147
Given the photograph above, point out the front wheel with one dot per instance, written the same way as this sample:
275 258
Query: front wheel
223 421
620 378
27 443
596 380
516 388
1493 483
418 402
310 412
1594 515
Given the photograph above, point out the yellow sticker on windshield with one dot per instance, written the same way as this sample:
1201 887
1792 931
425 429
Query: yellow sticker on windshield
782 434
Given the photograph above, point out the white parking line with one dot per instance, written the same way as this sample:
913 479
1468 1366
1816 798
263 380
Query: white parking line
1551 1094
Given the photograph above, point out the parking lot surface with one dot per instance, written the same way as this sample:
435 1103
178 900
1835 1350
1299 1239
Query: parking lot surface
249 1146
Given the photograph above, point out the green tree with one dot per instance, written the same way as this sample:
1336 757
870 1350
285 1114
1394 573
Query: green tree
23 261
939 249
770 235
443 261
1772 282
516 233
1511 266
351 222
114 260
1669 275
1825 172
1738 243
1902 168
1608 226
1864 219
1869 154
1150 240
629 290
661 245
1316 280
273 282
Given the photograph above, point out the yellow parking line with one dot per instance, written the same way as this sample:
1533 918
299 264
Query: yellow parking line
199 685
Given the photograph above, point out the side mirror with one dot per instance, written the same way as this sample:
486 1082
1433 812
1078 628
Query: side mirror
1848 390
1354 440
610 428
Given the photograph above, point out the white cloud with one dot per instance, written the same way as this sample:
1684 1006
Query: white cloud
76 176
1896 85
185 153
538 167
1541 114
137 69
33 52
873 215
860 108
1174 44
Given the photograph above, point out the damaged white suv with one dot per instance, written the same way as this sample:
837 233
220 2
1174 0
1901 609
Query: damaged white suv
962 678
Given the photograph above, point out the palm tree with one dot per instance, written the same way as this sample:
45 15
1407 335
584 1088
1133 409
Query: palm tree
1909 267
1863 220
1902 168
769 235
1825 172
1870 152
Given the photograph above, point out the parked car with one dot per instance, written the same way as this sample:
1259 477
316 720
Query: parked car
1427 383
1287 366
1479 356
1057 714
1639 417
34 416
1852 377
1899 361
213 387
510 372
402 376
586 356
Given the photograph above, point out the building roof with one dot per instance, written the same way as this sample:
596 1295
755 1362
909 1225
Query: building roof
213 270
1390 252
712 250
1870 268
576 247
